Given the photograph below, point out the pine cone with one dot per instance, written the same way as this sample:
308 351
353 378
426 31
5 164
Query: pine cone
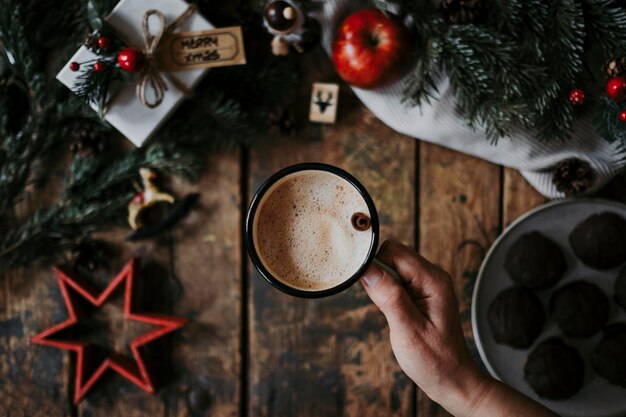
614 67
87 143
572 176
463 11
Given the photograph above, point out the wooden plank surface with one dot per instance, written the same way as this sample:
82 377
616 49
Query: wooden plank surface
304 358
194 272
332 357
113 395
207 263
459 217
33 379
517 196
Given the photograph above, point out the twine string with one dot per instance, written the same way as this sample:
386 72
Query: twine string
152 76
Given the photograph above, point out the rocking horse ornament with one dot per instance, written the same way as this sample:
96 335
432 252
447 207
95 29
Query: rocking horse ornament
143 216
147 198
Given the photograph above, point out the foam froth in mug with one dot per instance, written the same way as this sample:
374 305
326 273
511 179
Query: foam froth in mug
304 234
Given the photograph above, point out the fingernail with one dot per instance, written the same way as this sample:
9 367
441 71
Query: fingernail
372 276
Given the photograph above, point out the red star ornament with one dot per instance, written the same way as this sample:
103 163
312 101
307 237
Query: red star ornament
133 369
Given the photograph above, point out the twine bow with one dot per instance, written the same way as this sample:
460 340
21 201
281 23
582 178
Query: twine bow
152 74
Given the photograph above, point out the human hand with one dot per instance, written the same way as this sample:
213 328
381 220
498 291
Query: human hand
427 338
425 327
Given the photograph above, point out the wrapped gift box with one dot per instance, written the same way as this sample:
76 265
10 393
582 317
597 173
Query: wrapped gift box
125 111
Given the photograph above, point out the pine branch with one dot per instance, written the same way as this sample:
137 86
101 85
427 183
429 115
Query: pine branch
229 107
421 85
47 233
507 15
23 146
18 53
472 58
96 194
566 29
607 123
515 68
52 25
605 24
93 87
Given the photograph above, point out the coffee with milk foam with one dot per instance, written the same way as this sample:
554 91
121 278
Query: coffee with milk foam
303 230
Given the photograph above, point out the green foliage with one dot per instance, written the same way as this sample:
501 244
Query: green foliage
93 87
517 64
38 118
606 26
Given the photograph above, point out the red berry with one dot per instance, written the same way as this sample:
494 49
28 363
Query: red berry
74 66
130 59
577 96
622 116
616 88
103 43
138 198
99 66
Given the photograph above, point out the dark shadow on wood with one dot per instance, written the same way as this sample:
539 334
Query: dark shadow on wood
245 298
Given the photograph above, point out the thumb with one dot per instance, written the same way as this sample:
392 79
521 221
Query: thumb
391 298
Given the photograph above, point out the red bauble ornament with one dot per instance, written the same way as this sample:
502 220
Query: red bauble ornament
99 66
130 59
74 66
622 116
371 48
577 96
88 369
103 42
616 88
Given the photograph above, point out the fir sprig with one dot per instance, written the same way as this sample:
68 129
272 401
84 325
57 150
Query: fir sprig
606 26
517 65
94 87
229 107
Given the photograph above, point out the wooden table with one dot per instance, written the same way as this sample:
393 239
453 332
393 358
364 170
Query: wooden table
248 349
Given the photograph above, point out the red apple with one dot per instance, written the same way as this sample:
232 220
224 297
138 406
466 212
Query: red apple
371 48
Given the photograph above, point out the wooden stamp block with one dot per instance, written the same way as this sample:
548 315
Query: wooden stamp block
324 101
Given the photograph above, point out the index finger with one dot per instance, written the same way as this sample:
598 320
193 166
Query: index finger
423 281
414 269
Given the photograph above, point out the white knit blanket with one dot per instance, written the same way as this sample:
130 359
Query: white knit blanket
442 122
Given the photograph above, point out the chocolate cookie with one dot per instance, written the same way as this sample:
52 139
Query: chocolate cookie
580 309
516 317
600 240
620 288
535 261
609 357
554 369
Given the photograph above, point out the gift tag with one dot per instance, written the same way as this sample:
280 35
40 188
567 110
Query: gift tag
210 48
324 100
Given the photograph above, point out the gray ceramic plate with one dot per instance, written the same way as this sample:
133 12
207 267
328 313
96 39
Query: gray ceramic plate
597 398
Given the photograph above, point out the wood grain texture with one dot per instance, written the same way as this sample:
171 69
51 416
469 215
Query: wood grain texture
332 357
113 395
207 263
33 379
518 196
459 218
195 272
